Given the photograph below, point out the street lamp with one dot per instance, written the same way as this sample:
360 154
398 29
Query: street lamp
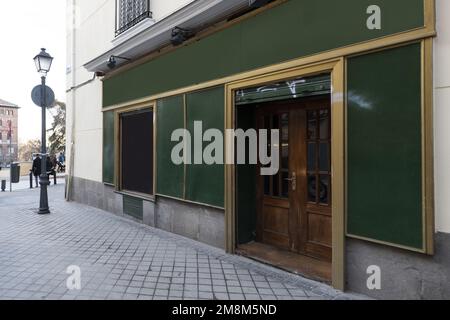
43 63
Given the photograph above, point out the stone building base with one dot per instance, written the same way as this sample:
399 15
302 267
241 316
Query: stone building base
204 224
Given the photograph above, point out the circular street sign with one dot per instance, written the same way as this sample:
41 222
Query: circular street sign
36 96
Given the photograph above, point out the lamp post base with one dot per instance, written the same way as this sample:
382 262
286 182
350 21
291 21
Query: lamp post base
43 205
44 211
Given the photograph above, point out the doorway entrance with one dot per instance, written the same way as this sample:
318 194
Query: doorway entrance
291 224
296 83
294 206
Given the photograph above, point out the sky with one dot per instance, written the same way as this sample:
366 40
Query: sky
25 27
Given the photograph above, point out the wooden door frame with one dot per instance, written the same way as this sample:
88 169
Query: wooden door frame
336 68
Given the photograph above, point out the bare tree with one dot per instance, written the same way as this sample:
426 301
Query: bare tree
27 149
57 138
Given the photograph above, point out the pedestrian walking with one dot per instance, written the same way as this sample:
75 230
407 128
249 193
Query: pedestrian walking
61 158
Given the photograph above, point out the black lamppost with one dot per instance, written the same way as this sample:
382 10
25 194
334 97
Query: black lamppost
43 63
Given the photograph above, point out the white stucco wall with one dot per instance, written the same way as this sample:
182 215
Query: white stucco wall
442 116
94 31
163 8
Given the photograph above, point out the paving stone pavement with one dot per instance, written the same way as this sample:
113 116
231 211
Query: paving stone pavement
24 182
124 260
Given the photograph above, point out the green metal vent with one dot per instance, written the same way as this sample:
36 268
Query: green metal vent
133 207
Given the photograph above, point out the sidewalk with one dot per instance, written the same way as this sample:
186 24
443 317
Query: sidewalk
25 182
121 259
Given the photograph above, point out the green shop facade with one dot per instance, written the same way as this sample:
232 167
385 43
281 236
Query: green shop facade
354 108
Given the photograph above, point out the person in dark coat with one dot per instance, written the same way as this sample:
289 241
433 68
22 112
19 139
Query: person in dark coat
36 169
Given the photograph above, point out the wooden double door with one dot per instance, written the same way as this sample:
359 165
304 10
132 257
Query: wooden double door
294 206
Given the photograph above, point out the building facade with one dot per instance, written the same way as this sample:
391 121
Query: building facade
357 92
9 134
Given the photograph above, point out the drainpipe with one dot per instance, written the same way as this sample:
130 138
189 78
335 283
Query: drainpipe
69 185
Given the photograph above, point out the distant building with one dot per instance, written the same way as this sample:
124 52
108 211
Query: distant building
9 142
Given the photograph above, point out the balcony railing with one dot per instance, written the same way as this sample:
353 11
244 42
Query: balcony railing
131 12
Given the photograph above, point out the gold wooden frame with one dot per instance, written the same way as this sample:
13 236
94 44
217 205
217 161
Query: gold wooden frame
428 216
428 145
184 197
117 149
336 60
336 69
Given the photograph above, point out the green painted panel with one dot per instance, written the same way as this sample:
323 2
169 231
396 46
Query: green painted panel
108 147
291 30
246 185
170 116
205 183
133 207
384 146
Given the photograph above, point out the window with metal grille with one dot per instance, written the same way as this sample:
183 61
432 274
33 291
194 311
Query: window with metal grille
131 12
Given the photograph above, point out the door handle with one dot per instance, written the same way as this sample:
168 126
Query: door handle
293 181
